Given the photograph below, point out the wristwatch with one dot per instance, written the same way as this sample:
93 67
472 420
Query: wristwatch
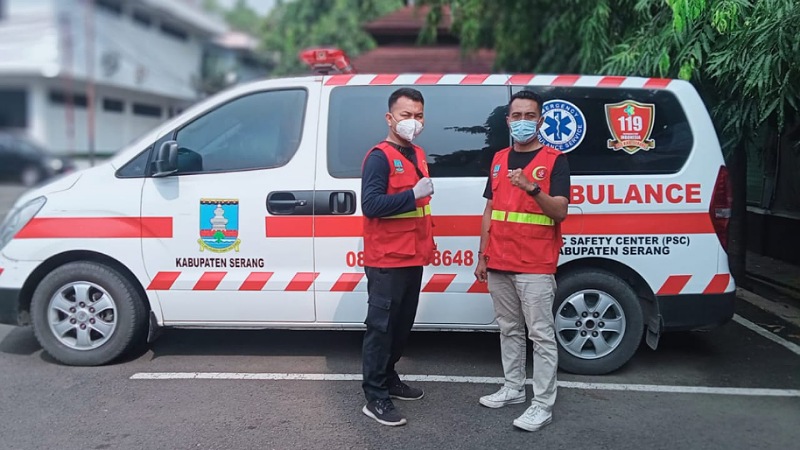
536 189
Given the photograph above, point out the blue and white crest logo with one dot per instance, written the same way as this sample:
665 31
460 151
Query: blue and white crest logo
495 171
219 225
398 166
563 127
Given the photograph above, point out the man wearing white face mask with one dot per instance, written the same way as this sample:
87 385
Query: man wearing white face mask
398 242
527 196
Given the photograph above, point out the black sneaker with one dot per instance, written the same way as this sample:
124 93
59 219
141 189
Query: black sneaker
402 391
382 410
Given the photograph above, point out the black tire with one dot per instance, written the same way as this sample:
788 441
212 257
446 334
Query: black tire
587 285
130 318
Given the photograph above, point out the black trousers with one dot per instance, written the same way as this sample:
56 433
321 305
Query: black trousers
393 299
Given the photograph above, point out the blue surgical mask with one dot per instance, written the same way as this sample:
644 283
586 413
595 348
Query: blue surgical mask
524 131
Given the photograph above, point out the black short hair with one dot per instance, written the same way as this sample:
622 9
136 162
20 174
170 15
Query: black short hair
411 93
527 95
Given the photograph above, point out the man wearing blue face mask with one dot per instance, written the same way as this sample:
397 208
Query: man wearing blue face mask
527 195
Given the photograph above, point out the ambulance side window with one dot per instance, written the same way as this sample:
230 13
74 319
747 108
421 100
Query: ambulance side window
464 127
660 139
257 131
136 167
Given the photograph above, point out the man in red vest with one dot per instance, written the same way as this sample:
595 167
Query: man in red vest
527 197
398 242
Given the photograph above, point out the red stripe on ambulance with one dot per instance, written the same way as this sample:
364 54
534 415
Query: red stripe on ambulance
302 281
611 81
347 282
565 80
485 79
520 79
96 227
478 288
674 285
339 80
474 79
256 281
163 281
718 284
657 83
651 223
439 283
576 224
384 79
209 281
430 78
354 281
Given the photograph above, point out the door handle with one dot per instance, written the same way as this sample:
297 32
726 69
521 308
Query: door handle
287 203
342 202
290 202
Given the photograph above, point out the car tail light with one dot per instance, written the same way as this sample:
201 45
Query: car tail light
720 209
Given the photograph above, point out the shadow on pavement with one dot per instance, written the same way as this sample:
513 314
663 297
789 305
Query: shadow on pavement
20 341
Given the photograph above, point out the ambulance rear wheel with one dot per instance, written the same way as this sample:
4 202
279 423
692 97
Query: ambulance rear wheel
598 320
87 314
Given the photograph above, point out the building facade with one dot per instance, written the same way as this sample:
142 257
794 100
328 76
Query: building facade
135 62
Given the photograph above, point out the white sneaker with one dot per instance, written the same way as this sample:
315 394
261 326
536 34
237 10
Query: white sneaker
534 418
505 396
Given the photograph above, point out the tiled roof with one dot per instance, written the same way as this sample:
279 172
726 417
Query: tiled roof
412 59
407 21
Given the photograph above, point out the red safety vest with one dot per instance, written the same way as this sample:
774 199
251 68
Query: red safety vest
405 239
522 238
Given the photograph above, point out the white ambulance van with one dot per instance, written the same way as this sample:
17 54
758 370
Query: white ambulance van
244 212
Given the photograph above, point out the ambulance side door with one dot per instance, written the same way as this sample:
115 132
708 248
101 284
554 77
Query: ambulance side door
239 163
464 126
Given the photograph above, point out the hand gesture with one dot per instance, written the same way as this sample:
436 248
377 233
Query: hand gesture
519 180
423 188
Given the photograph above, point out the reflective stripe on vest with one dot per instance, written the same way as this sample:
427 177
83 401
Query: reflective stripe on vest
518 217
419 212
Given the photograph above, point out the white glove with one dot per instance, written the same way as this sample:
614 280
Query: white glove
423 188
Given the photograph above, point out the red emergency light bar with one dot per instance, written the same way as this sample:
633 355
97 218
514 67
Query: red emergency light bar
325 61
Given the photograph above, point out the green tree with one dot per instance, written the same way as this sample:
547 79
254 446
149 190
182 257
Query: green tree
213 6
241 16
300 24
244 18
742 56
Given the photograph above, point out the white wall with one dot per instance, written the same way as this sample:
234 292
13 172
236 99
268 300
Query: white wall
132 62
136 56
49 37
28 38
113 130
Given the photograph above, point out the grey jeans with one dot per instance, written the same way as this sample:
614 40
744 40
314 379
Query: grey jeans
519 300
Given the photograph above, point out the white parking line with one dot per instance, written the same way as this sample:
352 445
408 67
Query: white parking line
794 348
471 380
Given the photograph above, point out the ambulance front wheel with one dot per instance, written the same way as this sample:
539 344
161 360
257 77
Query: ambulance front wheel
598 321
87 314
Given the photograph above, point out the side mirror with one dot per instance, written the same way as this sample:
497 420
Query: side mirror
166 161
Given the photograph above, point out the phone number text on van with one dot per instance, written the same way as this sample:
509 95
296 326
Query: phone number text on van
444 258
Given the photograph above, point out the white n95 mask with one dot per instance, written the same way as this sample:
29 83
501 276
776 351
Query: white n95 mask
408 129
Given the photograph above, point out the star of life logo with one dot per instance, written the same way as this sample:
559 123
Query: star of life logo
563 127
